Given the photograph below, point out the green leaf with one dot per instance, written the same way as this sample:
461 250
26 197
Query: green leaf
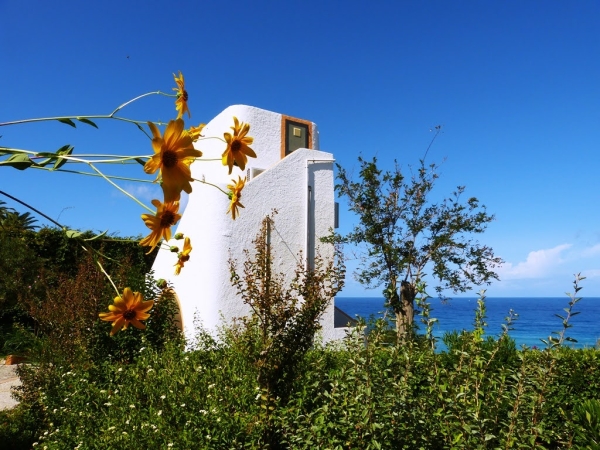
457 437
44 162
62 149
73 233
570 339
88 121
65 150
68 122
19 161
97 236
50 158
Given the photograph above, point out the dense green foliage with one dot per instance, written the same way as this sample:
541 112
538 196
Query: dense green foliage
39 267
362 393
72 338
357 395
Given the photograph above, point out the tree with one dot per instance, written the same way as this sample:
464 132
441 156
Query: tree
406 234
13 221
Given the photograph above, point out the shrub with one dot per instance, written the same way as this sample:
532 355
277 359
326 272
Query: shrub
141 389
18 428
71 338
283 321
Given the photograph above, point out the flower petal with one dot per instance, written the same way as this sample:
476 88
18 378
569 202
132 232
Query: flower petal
117 325
136 323
144 306
109 316
153 164
248 151
155 131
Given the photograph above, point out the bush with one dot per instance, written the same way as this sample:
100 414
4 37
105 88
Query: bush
18 427
71 339
254 386
39 266
350 395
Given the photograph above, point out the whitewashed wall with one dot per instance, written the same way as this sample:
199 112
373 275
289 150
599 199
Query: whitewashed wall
203 287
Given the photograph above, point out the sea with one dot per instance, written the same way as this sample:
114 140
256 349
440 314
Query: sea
536 317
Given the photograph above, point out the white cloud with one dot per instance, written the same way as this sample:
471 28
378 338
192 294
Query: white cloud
144 192
539 264
591 251
591 273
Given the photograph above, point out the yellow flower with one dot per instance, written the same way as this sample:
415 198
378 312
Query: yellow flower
173 155
235 194
184 256
237 150
194 132
182 97
160 223
128 308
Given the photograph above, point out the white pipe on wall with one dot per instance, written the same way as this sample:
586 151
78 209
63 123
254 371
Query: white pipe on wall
310 245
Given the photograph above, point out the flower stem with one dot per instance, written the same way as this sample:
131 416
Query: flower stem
210 184
108 276
212 137
120 188
137 98
90 174
97 116
101 155
121 159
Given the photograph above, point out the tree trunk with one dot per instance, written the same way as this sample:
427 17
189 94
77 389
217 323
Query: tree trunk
406 311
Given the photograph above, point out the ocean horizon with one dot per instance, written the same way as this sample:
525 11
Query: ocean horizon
536 316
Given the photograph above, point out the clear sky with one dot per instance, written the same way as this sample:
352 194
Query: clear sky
515 85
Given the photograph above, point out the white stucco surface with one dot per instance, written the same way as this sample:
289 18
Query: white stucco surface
299 186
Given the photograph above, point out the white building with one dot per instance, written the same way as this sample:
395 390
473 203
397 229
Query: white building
290 175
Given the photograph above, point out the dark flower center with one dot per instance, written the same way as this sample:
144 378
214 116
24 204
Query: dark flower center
129 314
169 158
236 146
167 219
185 96
184 258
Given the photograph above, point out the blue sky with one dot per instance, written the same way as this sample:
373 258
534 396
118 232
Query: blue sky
515 85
